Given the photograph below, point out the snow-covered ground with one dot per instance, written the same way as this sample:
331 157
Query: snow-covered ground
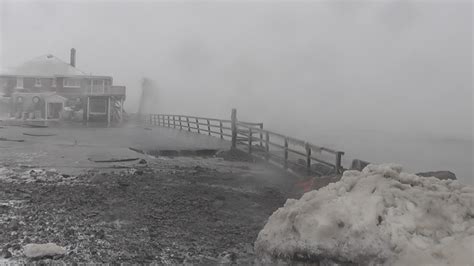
378 216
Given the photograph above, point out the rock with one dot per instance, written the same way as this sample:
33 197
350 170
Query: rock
227 257
5 253
36 251
51 172
142 161
358 164
14 225
443 175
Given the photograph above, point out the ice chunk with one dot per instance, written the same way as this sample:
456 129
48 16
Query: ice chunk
378 216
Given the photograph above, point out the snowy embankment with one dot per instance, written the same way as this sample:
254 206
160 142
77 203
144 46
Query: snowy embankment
377 216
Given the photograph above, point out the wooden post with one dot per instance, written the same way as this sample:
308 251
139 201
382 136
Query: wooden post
168 120
180 125
261 134
250 140
108 111
338 166
162 120
189 127
45 110
174 122
87 109
285 163
267 146
157 119
308 157
197 125
208 127
220 126
234 128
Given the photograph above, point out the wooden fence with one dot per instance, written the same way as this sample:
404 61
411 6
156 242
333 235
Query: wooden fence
288 152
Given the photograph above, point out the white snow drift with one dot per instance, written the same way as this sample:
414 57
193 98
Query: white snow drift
377 216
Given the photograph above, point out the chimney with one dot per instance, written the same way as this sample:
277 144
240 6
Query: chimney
73 57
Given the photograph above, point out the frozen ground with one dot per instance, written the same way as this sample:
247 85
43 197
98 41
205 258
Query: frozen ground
378 216
161 210
69 149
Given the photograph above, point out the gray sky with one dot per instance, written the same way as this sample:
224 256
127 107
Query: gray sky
353 65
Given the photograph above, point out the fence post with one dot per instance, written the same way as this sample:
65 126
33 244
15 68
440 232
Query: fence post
267 145
338 162
197 125
285 163
308 157
174 122
261 135
220 125
234 128
189 127
156 120
208 127
250 140
163 120
180 125
151 120
169 121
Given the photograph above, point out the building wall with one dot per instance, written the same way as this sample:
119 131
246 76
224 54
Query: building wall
7 85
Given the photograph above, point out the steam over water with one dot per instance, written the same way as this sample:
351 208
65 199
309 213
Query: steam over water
385 81
416 153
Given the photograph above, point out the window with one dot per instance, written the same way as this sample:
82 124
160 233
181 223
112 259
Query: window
98 106
75 83
97 86
37 82
53 83
19 83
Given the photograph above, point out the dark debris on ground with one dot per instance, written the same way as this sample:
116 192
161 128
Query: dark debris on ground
140 216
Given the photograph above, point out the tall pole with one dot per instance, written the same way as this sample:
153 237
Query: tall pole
234 128
87 109
108 111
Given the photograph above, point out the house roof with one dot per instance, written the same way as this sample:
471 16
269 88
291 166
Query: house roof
44 66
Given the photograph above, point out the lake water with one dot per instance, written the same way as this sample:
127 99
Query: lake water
416 153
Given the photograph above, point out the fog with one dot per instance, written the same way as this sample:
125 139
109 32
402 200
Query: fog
381 80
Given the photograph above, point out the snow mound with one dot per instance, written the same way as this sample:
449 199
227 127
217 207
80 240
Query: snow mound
378 216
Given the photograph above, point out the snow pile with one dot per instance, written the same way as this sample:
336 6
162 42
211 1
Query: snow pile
377 216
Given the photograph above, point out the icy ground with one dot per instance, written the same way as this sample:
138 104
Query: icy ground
378 216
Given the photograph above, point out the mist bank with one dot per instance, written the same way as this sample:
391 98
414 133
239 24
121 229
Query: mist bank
381 80
388 67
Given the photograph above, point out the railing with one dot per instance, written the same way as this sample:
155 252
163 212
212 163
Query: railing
202 125
105 90
288 152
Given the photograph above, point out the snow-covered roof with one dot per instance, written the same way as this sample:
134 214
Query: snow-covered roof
44 66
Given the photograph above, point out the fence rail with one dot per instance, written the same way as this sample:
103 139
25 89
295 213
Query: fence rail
289 152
